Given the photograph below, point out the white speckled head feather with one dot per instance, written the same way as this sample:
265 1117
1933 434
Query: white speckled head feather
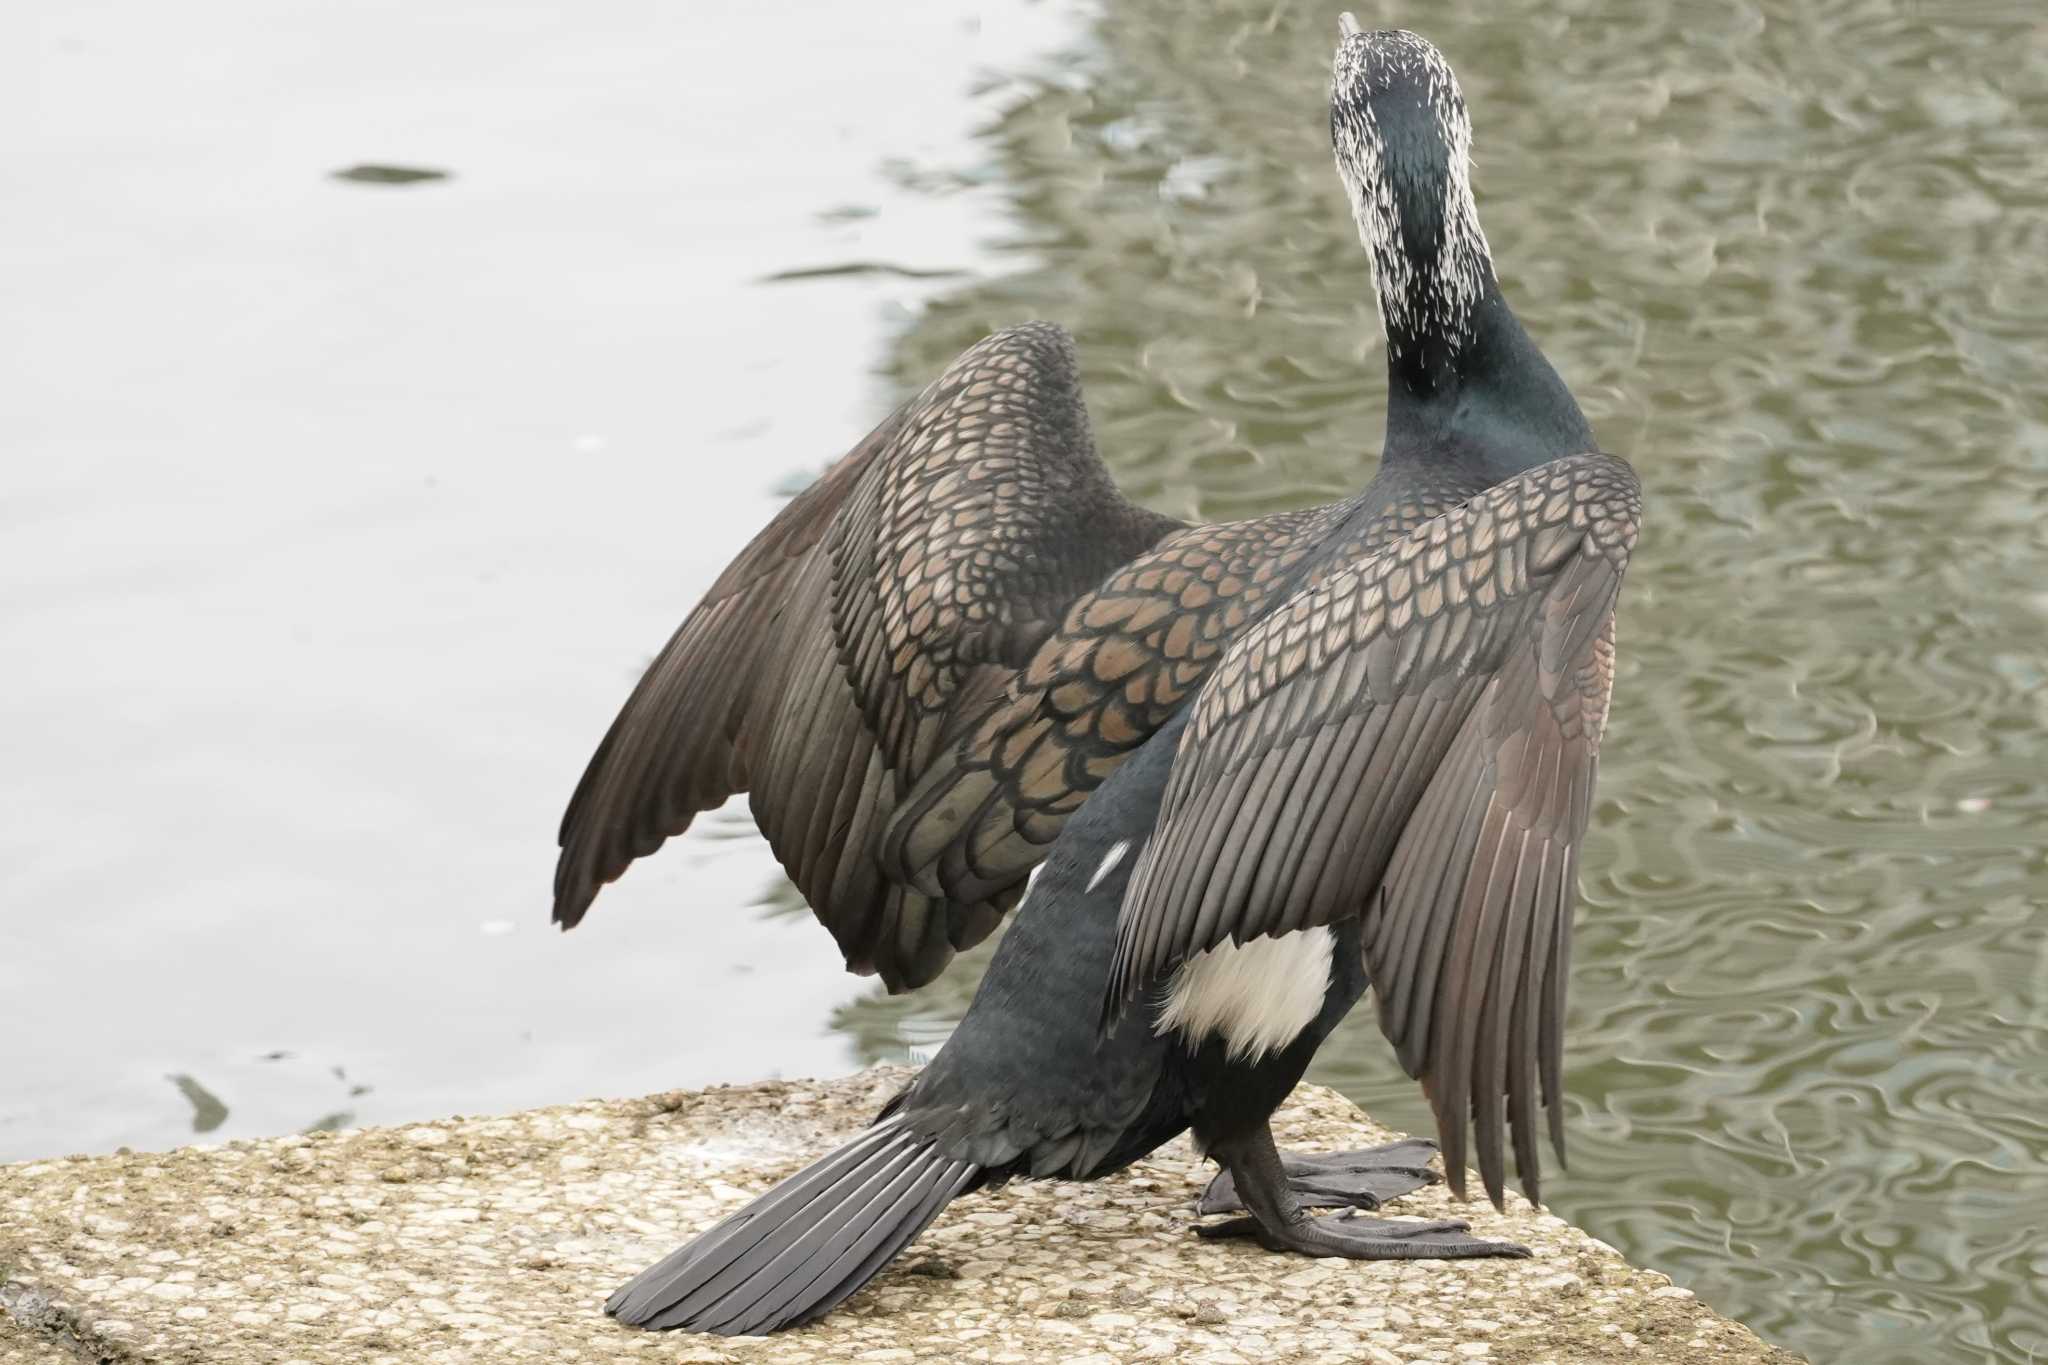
1403 144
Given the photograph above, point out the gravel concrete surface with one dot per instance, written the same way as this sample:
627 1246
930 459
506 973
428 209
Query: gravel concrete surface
498 1239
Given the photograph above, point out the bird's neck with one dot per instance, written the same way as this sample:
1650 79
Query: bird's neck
1468 392
1478 395
1431 270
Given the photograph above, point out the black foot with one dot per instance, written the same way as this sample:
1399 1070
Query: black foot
1366 1239
1278 1221
1364 1179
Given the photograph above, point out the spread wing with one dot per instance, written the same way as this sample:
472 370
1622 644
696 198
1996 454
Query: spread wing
827 664
1127 657
1413 740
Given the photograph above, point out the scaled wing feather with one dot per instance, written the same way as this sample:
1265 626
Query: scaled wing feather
827 666
1412 739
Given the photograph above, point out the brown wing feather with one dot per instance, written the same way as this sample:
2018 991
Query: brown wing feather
1474 952
842 647
1126 658
672 752
1456 683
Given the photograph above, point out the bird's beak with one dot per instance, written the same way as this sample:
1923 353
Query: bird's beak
1347 25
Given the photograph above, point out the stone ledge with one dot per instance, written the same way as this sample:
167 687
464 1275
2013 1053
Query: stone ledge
498 1239
19 1346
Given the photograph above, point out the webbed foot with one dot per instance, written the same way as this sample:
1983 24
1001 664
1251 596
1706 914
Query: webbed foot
1365 1179
1271 1188
1366 1239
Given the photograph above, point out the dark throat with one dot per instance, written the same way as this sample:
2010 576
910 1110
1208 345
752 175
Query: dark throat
1481 398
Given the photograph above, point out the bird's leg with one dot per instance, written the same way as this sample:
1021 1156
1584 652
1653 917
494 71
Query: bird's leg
1365 1179
1279 1221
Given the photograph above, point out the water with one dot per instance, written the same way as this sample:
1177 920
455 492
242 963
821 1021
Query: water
340 514
294 724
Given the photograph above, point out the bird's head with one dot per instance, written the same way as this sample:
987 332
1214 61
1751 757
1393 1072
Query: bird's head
1403 145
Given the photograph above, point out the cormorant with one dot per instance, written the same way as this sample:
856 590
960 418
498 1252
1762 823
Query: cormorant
1274 761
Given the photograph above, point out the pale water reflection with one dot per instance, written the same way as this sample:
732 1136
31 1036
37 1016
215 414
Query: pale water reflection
341 513
350 513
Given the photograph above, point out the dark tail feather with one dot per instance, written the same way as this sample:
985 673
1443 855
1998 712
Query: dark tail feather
796 1252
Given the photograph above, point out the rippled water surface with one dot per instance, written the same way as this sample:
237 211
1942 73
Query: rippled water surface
1794 260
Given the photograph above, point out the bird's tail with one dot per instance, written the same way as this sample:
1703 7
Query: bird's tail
795 1253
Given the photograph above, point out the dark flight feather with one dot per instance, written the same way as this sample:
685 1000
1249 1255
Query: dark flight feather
884 609
1472 659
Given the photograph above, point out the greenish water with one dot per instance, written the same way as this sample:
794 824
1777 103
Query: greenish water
1794 260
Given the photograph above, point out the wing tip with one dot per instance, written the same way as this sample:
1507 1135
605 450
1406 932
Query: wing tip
569 912
1124 984
1494 1178
1109 1015
575 887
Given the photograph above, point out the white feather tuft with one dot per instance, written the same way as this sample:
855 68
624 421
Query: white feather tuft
1115 855
1259 995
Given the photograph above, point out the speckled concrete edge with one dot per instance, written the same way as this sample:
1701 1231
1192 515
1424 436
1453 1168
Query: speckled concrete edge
29 1337
497 1239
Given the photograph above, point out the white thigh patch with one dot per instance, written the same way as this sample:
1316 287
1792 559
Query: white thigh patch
1259 995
